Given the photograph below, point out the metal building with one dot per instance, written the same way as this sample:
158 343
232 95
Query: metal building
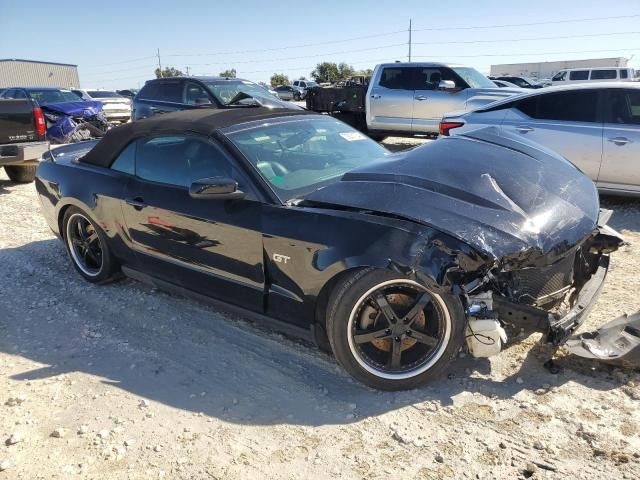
31 73
549 69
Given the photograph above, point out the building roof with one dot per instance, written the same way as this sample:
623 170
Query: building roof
36 61
203 121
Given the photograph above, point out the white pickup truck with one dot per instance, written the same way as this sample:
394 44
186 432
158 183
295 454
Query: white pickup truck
404 99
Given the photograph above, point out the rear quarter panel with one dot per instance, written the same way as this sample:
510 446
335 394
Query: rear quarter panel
95 190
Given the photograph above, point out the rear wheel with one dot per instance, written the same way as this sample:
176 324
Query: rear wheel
87 247
21 173
391 332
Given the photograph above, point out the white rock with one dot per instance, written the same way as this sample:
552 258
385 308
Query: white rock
103 434
519 381
59 433
5 465
83 429
157 448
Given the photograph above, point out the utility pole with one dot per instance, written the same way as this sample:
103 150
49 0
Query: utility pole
409 40
159 63
187 67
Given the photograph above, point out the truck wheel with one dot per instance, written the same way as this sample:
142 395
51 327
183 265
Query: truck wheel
391 332
21 173
377 138
297 97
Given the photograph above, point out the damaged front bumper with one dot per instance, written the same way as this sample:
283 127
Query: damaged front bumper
616 342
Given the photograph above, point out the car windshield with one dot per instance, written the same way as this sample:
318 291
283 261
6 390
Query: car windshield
474 78
103 94
312 84
47 97
226 90
296 156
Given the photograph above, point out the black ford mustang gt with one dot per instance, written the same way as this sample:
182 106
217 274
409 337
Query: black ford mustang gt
394 260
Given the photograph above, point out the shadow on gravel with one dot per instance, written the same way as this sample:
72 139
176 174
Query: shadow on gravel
186 355
4 184
625 216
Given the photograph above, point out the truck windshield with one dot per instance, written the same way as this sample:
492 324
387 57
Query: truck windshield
296 156
474 78
47 97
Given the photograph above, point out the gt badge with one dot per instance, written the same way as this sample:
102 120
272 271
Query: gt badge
280 258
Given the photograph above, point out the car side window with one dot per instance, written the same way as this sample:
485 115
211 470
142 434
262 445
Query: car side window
579 75
9 93
566 106
125 162
19 94
397 78
624 107
165 91
428 78
195 94
623 74
180 160
559 77
603 75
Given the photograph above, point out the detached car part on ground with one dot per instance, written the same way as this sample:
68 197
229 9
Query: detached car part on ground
394 261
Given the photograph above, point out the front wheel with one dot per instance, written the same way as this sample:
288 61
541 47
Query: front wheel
391 332
88 248
297 97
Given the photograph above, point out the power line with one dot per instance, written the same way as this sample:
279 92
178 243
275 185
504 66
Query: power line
554 22
525 54
343 52
529 38
236 52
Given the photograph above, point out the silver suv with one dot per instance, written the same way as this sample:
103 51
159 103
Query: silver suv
411 98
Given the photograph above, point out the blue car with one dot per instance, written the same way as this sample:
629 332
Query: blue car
69 118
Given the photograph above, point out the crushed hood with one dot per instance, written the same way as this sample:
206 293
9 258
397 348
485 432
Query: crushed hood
507 197
77 109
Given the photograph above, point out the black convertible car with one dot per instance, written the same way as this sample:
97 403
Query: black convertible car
395 261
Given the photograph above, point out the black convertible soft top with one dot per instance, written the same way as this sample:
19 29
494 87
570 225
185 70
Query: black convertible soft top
200 121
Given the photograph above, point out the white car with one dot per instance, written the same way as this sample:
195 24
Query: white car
116 107
595 126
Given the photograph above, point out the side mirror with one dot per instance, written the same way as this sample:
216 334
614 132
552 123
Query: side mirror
215 188
202 101
447 85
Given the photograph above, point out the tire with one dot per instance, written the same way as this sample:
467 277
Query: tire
21 173
433 340
297 97
104 271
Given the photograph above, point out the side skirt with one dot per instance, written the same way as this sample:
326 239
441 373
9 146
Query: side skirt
258 318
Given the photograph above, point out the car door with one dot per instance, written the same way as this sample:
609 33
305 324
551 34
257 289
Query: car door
390 102
567 122
621 140
430 102
211 246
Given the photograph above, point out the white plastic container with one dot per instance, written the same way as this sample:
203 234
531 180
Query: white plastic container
485 337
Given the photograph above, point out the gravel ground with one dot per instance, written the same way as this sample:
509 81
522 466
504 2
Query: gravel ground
122 381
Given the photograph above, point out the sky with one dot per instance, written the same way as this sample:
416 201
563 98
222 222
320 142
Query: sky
115 45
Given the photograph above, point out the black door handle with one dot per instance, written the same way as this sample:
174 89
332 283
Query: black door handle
136 203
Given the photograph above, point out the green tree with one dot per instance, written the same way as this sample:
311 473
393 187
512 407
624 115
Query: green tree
326 72
168 72
229 73
279 79
367 72
345 71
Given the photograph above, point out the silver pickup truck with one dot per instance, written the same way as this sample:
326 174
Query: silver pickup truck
404 99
